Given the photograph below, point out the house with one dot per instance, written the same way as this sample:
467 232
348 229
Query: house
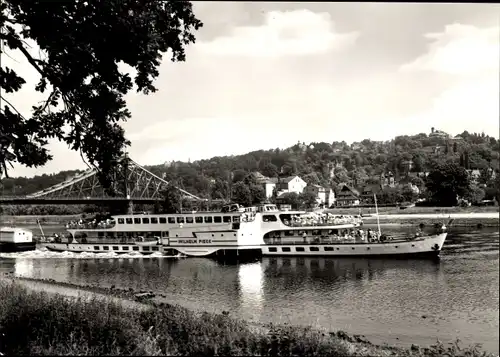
387 179
474 175
368 191
269 184
330 198
439 134
347 196
318 191
291 184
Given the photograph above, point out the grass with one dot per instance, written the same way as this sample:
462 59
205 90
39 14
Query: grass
38 323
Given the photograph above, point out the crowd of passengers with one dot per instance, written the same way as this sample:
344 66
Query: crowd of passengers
99 221
318 219
348 235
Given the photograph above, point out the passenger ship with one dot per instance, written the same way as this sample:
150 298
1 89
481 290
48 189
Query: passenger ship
232 232
238 231
323 234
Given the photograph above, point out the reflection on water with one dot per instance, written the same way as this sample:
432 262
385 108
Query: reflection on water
396 301
251 278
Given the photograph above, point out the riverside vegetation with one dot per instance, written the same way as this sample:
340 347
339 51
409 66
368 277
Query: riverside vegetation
39 323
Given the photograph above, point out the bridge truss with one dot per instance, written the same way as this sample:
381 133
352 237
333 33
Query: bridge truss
131 182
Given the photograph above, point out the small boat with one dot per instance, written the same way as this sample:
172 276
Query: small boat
16 240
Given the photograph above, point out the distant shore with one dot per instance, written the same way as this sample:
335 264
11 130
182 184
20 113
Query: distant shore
463 217
128 322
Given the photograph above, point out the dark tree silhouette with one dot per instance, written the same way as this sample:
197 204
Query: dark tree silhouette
83 42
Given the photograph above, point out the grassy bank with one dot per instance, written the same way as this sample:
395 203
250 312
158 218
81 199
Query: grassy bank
38 323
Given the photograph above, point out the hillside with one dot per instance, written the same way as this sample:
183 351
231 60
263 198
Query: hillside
327 164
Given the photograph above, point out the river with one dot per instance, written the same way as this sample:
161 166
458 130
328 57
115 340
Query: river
395 301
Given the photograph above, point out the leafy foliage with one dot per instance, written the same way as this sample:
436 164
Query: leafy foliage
83 46
329 164
447 182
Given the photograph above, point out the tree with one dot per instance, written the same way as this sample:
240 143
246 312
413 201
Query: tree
83 45
308 199
257 193
408 194
475 194
447 181
171 199
242 194
291 198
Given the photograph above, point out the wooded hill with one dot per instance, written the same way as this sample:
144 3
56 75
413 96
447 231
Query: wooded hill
327 164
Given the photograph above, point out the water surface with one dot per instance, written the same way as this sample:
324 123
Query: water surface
394 301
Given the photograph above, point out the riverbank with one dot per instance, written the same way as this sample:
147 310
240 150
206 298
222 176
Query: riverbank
46 317
472 219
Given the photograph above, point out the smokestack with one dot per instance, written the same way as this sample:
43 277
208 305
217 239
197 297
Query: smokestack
432 130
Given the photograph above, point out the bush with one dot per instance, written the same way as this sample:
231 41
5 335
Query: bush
35 323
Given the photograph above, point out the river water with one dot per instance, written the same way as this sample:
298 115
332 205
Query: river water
395 301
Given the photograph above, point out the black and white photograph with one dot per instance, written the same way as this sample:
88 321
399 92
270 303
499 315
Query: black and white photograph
226 178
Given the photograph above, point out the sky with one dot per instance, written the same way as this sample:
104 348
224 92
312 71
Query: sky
266 75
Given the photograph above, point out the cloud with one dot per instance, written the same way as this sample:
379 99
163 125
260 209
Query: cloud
470 105
460 50
299 32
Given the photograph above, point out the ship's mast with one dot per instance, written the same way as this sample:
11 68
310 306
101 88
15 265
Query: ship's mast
376 211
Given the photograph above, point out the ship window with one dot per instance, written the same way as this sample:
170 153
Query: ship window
164 234
180 219
198 219
171 220
313 249
96 247
299 249
208 219
273 249
289 233
285 249
125 248
328 249
137 220
154 220
115 247
163 220
100 234
145 220
236 226
105 247
155 249
146 249
189 219
120 234
128 220
135 248
236 218
226 219
367 248
217 219
269 218
120 221
110 235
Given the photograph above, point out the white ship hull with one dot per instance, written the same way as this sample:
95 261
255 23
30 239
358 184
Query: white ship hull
427 247
104 248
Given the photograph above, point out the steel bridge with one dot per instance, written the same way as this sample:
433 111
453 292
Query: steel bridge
132 184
